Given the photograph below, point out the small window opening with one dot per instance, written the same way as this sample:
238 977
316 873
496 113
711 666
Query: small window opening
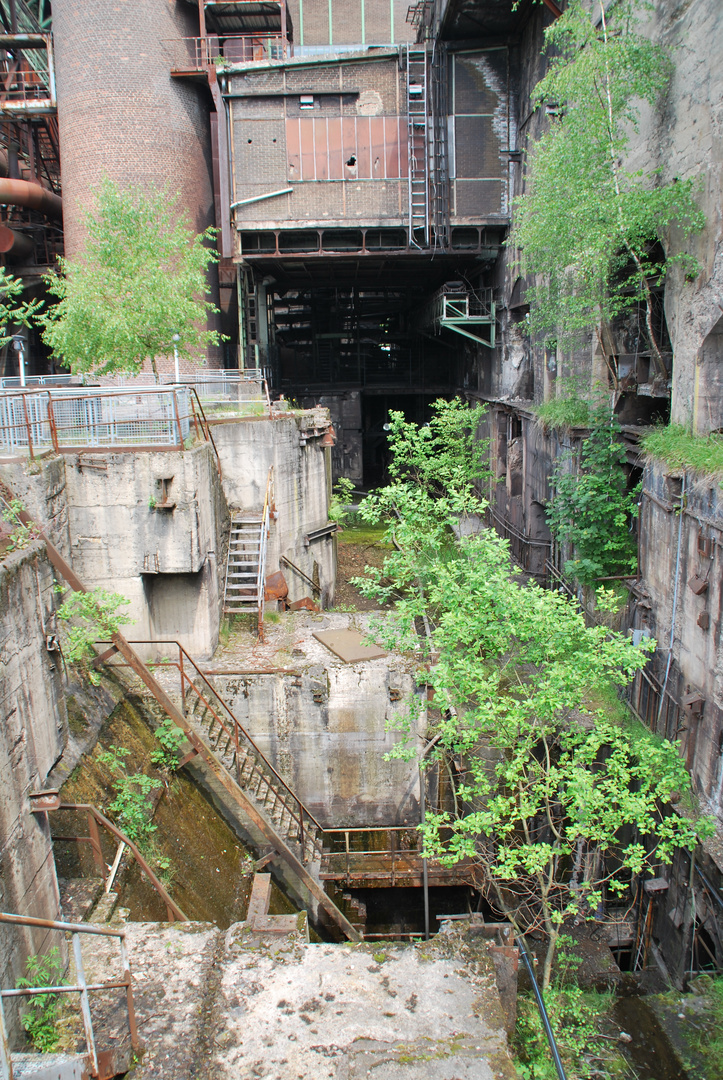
306 101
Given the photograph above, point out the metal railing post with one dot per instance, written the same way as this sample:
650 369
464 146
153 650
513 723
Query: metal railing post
96 845
524 953
85 1003
178 420
29 429
183 684
6 1064
129 994
52 424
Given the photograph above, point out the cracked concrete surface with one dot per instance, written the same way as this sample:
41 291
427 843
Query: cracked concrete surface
275 1007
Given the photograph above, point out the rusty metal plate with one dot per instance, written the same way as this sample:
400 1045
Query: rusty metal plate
348 645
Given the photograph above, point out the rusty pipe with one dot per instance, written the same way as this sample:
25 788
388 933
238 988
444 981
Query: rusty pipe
17 247
32 196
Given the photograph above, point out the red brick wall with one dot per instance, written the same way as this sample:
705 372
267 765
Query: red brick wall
121 114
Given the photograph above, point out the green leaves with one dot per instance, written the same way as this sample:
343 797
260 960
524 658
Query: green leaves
557 805
586 227
591 509
40 1018
141 281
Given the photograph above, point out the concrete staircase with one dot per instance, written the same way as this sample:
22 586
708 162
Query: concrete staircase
49 1066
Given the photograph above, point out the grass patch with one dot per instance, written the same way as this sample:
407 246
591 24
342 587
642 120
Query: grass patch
563 413
708 1039
364 534
680 450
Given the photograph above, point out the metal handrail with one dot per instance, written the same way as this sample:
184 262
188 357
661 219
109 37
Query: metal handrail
172 909
238 730
79 987
263 547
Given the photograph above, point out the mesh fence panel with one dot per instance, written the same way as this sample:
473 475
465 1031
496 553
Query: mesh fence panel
94 418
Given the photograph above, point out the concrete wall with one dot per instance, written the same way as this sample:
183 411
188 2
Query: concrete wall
168 563
324 728
685 140
32 730
292 445
697 656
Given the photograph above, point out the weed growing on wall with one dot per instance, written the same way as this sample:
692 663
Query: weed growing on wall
41 1015
592 509
22 536
170 739
680 450
130 805
86 618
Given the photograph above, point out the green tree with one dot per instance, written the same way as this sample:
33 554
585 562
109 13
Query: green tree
592 508
559 808
138 288
12 309
589 229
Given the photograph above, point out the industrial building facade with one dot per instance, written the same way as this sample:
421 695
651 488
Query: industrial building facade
360 160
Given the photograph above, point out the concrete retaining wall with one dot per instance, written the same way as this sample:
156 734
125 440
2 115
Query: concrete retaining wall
32 729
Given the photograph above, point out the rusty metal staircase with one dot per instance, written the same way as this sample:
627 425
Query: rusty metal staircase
229 755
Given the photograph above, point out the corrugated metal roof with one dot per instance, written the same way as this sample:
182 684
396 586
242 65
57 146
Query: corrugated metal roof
244 16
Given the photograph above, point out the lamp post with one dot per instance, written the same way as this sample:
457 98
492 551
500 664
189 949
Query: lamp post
176 339
19 346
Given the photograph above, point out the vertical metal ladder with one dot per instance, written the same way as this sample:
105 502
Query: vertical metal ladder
418 139
241 591
438 154
245 585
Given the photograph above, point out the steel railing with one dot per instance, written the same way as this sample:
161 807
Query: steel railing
262 772
96 419
80 986
199 53
96 818
383 854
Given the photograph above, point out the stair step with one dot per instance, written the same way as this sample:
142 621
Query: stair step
49 1066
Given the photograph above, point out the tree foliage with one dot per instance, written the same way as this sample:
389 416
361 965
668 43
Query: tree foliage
592 509
140 281
587 227
559 809
12 308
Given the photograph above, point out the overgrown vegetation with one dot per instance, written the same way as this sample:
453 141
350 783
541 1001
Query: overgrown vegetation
170 739
13 310
22 535
591 508
86 618
130 805
138 289
564 413
681 450
40 1017
577 1017
558 809
342 496
591 231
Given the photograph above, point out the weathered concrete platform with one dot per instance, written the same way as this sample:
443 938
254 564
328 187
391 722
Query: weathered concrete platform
248 1005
